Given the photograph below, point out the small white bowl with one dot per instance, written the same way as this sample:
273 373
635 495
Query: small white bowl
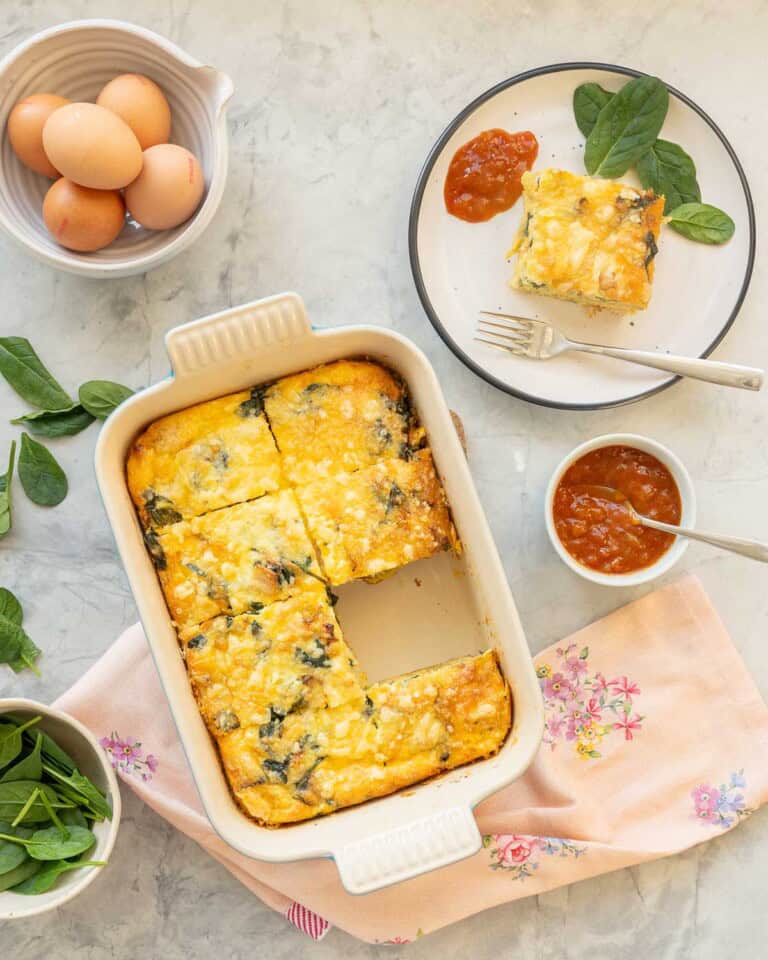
82 746
76 60
687 502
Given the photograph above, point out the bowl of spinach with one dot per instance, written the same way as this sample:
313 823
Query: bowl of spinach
59 808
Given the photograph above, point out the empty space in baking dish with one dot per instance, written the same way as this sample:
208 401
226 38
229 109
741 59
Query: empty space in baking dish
419 616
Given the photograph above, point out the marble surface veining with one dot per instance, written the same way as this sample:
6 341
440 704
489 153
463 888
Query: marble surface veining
337 104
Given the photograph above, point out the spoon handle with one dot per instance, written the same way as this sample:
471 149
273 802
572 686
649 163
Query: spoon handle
747 548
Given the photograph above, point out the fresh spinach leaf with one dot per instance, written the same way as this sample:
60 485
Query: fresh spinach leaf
24 371
73 817
626 127
79 789
49 844
14 877
45 877
10 740
57 423
53 755
10 608
11 635
588 100
15 794
668 170
101 397
28 654
11 855
5 493
42 478
702 223
29 767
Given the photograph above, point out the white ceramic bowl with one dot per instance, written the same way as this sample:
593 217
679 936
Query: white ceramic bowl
687 502
75 60
81 745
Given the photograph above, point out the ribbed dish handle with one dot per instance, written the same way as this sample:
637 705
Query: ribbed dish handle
193 347
407 851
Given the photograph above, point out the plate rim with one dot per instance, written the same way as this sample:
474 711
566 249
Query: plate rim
415 212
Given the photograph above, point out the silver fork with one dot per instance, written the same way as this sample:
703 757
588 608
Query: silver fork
539 340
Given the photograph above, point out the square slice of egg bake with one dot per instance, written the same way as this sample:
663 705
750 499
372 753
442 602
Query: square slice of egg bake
254 505
587 240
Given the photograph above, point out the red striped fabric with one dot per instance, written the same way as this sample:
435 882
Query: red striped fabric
308 922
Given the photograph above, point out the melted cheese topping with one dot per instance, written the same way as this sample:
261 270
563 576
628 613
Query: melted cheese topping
208 456
338 417
235 559
378 518
256 669
299 729
409 729
588 240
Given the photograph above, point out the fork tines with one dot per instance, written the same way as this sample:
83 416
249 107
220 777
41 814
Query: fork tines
508 332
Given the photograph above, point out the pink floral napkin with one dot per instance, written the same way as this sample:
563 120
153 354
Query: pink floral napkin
627 771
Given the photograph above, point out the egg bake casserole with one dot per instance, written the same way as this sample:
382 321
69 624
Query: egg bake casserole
253 507
588 240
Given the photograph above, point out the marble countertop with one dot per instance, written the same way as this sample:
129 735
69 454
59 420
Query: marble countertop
337 104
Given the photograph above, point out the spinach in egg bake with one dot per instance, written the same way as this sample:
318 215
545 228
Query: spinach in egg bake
378 518
255 669
208 456
338 418
408 729
588 240
235 559
253 506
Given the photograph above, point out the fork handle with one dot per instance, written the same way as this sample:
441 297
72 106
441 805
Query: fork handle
747 548
726 374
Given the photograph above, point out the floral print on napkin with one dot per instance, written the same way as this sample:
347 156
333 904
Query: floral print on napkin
520 855
721 806
582 707
127 757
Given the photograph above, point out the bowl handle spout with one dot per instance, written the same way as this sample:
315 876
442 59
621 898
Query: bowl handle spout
194 347
218 84
409 850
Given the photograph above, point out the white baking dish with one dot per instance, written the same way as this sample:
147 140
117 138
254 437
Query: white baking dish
425 613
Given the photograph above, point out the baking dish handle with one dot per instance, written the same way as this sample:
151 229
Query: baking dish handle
196 346
409 850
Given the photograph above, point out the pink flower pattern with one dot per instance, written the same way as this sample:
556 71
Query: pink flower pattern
520 855
126 756
557 687
582 707
721 806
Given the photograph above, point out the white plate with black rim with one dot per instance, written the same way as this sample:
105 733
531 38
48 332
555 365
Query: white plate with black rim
461 268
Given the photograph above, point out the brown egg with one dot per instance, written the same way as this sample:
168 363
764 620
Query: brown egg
83 219
25 130
168 190
141 104
92 146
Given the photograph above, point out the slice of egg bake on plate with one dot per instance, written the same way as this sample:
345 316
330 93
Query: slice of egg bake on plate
587 240
246 563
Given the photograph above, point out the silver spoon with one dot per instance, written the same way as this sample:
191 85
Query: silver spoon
747 548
